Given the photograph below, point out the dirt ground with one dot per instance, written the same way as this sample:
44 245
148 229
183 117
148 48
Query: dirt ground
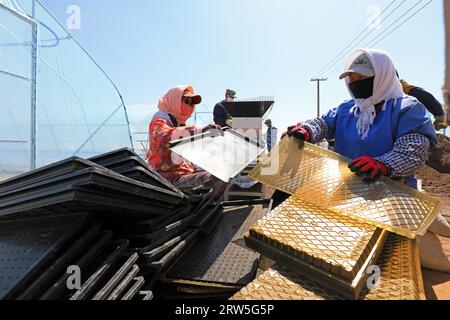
436 182
436 175
438 185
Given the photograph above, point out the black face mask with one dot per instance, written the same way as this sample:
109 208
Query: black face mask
362 89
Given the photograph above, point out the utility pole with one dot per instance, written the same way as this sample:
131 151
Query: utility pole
318 80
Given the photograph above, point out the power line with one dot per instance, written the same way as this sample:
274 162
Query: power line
335 70
354 39
371 43
343 52
409 18
343 56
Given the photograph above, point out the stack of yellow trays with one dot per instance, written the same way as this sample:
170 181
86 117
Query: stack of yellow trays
336 251
400 279
332 230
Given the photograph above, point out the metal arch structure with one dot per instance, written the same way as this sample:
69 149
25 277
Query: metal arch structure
17 11
30 17
34 64
95 63
13 5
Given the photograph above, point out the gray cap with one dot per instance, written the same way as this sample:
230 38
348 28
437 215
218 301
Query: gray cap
361 65
230 93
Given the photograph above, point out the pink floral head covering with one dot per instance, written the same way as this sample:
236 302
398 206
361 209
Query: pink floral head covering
171 103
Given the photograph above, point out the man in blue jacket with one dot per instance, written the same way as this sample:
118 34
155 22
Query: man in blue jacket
221 115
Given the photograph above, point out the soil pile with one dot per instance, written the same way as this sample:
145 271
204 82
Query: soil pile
440 156
436 174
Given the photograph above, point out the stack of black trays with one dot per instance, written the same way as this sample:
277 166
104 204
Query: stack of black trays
66 257
111 217
217 265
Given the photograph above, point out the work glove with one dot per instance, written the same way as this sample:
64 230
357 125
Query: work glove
373 169
441 123
288 130
229 123
212 127
298 133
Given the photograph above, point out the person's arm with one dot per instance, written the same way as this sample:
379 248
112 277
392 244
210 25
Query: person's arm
322 128
428 100
414 136
165 132
220 116
410 152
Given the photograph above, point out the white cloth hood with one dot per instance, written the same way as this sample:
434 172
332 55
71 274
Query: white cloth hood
386 86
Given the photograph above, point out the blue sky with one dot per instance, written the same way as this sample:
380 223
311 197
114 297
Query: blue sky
258 47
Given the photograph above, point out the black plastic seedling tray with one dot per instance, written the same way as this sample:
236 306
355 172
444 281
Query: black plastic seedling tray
251 202
174 254
145 295
192 222
117 278
211 224
113 155
99 178
121 227
143 175
124 284
118 155
28 246
135 167
59 288
51 274
91 284
159 237
57 169
205 200
150 256
95 195
160 210
203 220
134 290
77 200
118 163
218 258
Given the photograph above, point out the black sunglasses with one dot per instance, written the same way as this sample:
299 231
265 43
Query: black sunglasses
189 101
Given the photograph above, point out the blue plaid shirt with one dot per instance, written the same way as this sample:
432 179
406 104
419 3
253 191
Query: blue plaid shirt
400 137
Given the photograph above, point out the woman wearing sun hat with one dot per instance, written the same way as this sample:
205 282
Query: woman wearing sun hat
168 124
386 132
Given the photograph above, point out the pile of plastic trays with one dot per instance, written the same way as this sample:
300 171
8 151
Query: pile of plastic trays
218 265
337 236
111 219
67 257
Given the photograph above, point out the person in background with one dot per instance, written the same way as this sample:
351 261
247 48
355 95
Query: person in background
221 115
428 100
271 136
168 124
384 131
